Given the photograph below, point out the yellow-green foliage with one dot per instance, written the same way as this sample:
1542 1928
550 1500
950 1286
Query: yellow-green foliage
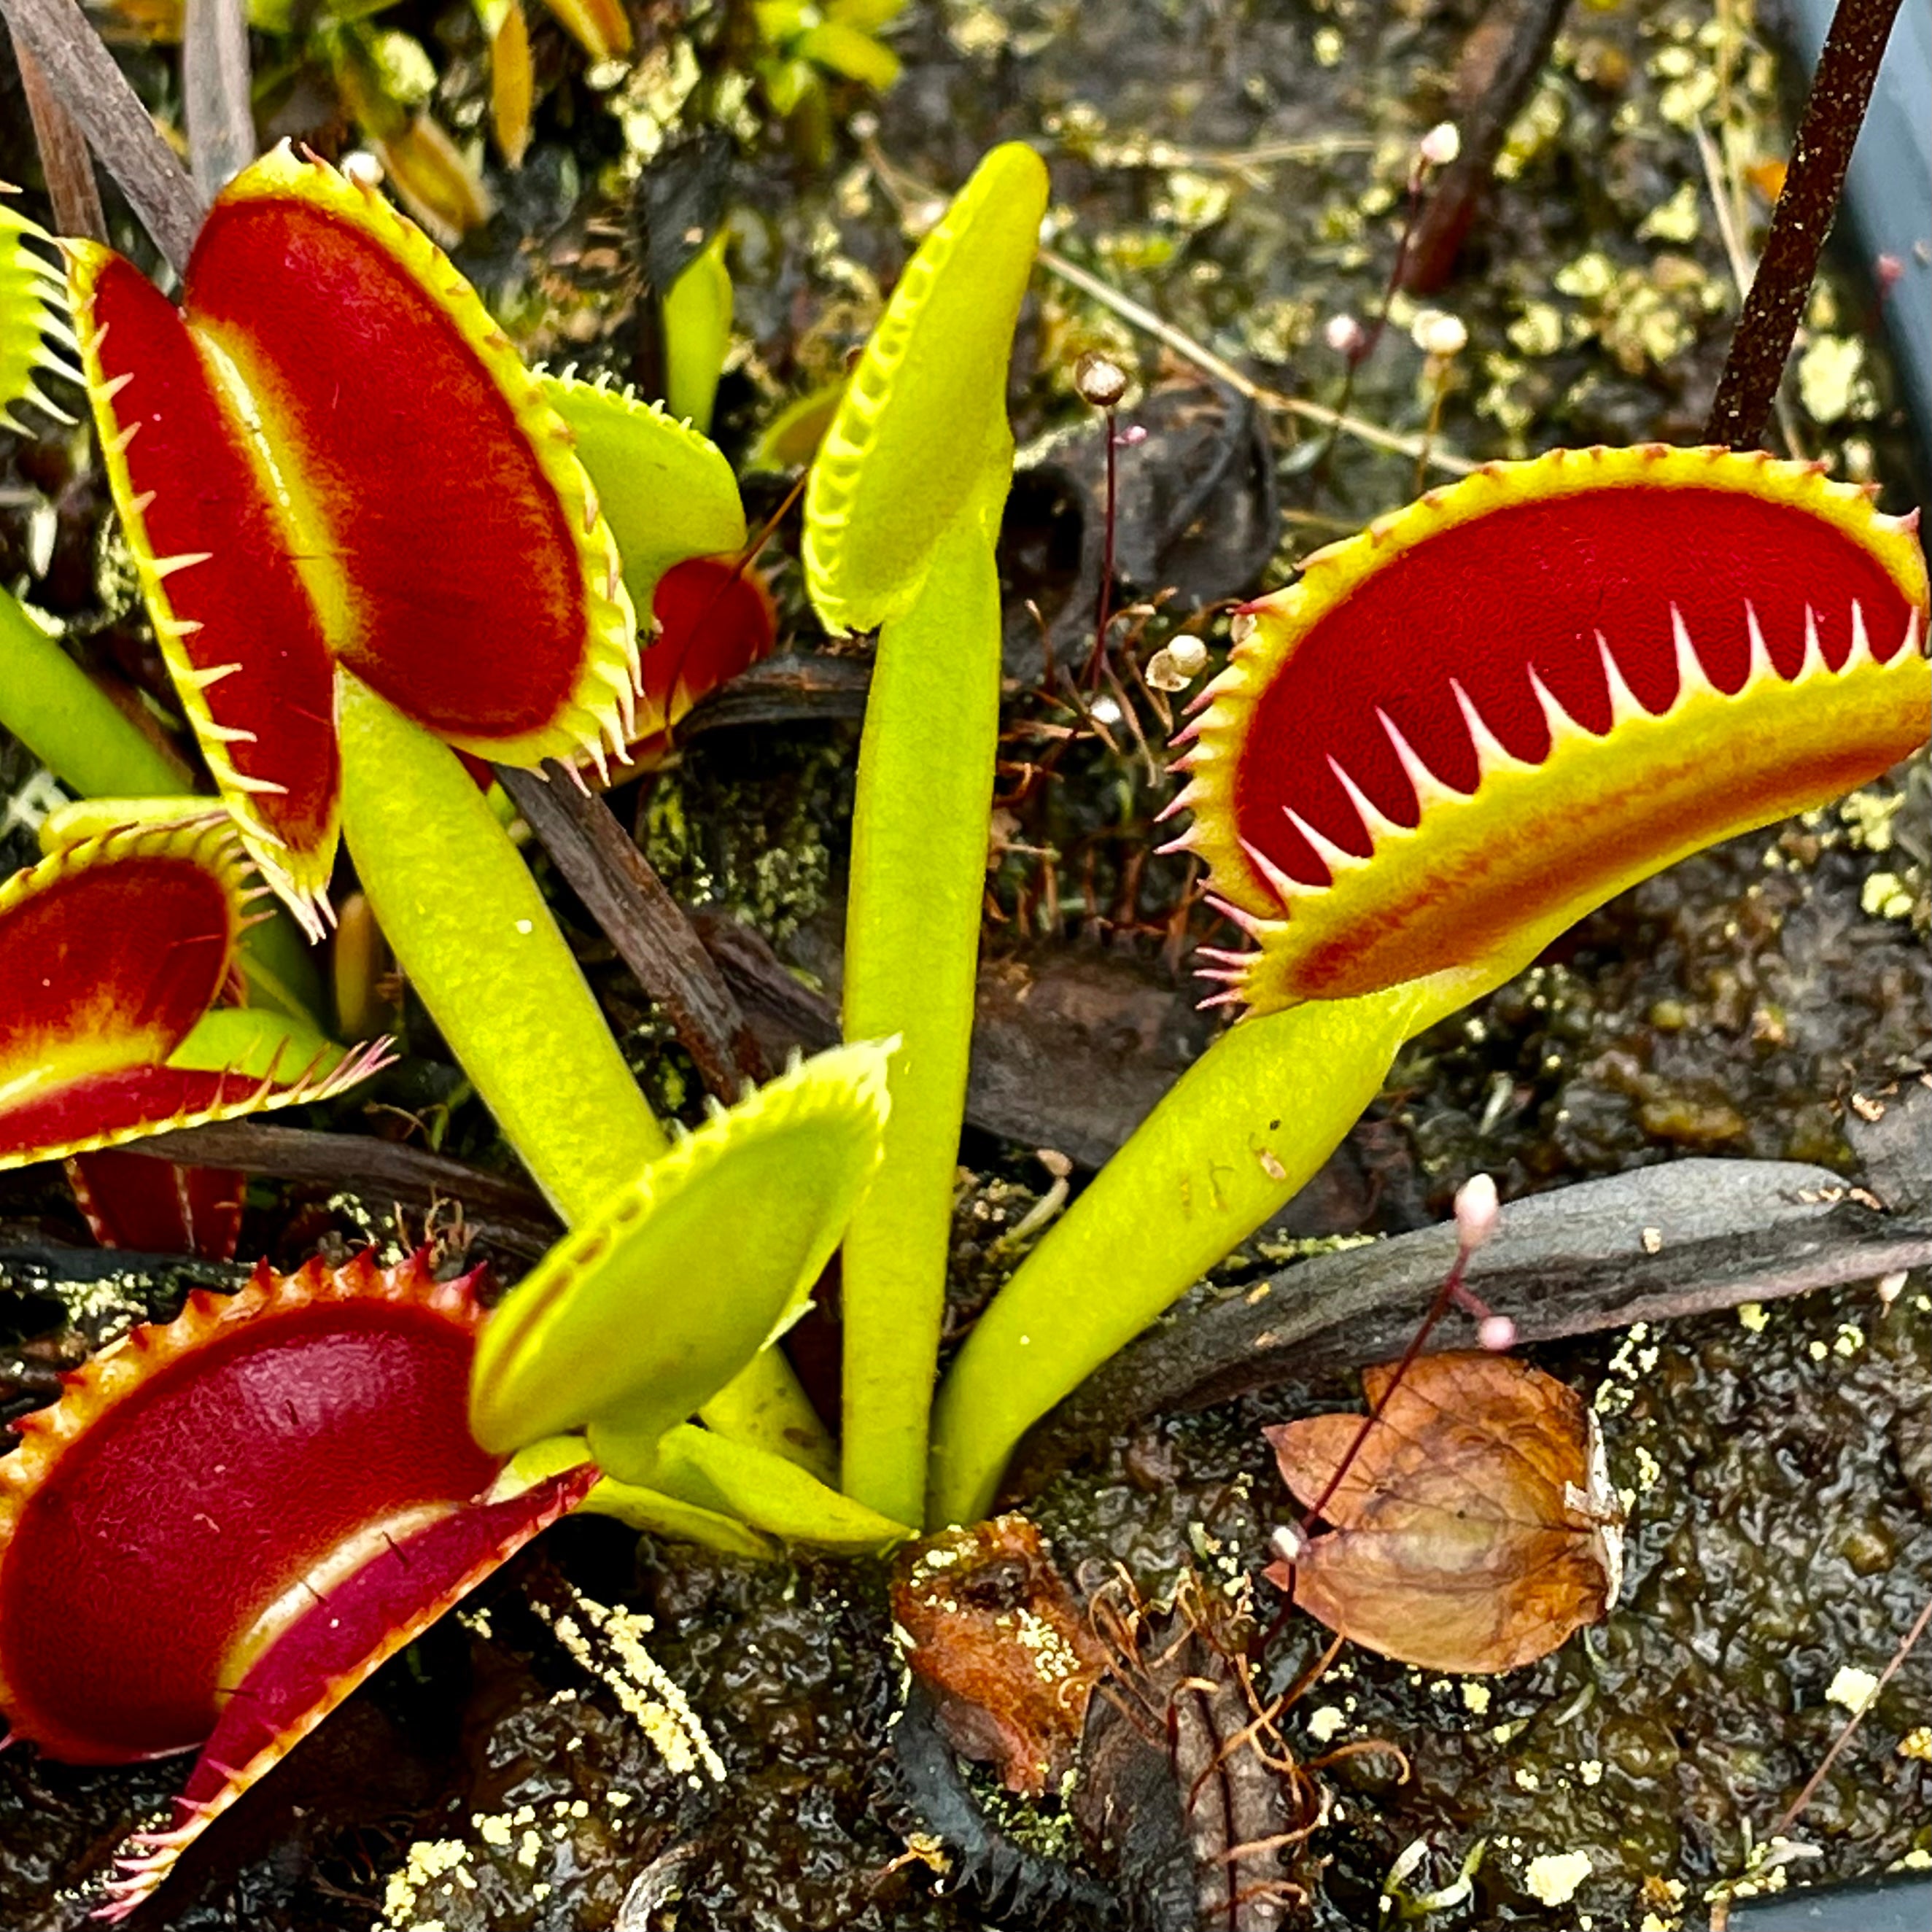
31 318
921 437
664 1291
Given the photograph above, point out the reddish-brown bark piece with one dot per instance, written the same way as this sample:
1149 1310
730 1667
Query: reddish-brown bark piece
1474 1530
1011 1659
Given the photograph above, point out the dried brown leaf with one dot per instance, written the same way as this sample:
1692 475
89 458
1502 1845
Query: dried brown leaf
1474 1531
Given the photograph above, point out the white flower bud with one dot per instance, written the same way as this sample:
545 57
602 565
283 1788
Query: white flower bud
1100 380
1477 1210
1439 334
1441 145
1497 1333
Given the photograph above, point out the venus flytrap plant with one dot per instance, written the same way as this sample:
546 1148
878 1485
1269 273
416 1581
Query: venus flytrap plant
902 510
228 1521
46 700
1459 733
113 951
365 534
613 1334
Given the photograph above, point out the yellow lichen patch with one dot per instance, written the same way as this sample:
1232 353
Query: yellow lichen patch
1554 1876
609 1644
1853 1688
428 1861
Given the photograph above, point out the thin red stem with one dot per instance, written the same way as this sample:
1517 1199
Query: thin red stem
1417 174
1445 1295
1103 613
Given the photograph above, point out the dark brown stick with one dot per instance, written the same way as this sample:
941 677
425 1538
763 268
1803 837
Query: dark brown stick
642 921
505 1211
215 92
801 687
1510 50
65 159
82 73
1660 1243
1833 112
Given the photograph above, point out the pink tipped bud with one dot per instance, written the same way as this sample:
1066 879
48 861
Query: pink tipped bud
1345 336
1477 1212
1891 273
1497 1333
1441 145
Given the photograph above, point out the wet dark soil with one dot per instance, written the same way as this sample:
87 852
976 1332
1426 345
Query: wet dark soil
1776 1467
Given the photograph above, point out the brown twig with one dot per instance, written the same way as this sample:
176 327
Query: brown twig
1566 1263
65 159
793 687
1833 112
642 921
83 74
215 92
1844 1737
506 1211
1513 50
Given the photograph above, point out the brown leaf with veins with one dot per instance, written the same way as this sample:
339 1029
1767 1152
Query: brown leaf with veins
1475 1530
986 1620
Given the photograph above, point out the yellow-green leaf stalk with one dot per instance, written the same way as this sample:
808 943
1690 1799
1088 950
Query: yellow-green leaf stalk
1232 1142
902 509
696 315
455 899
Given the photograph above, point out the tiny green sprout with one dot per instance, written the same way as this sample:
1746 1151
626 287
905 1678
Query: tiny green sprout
800 44
902 509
